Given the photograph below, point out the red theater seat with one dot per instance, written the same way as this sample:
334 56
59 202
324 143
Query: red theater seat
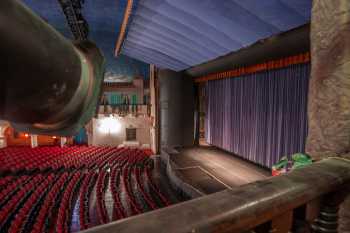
43 185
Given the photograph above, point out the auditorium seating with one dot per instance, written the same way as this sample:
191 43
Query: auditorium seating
146 196
135 208
48 203
41 188
155 188
84 198
118 209
102 182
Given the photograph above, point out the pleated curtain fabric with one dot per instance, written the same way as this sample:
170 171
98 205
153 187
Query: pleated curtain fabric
260 117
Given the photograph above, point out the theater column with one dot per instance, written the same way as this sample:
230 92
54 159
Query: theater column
3 127
63 141
329 91
33 140
154 96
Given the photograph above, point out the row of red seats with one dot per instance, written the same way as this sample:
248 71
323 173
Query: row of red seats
121 160
116 157
118 210
89 160
49 202
102 160
102 183
71 160
27 158
146 196
5 181
56 157
84 199
65 208
155 188
135 208
12 186
126 169
22 216
139 158
18 198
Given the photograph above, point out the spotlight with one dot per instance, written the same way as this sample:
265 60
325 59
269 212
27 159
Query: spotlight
109 125
26 135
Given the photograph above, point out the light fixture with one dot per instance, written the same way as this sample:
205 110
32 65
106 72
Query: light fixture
109 125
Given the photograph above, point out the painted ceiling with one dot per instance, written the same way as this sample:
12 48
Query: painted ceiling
177 34
104 18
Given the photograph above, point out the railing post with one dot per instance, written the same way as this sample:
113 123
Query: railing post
344 216
329 217
312 210
282 223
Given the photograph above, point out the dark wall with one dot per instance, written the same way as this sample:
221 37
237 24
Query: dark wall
288 43
176 108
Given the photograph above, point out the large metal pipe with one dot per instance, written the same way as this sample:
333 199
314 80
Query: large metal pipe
47 84
241 208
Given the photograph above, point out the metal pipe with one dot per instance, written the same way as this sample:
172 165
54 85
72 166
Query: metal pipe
241 208
48 84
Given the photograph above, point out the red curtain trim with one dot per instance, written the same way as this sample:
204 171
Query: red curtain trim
270 65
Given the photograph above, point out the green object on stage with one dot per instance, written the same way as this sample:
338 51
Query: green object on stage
300 160
281 164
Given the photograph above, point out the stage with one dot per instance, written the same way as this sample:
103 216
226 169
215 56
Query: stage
210 170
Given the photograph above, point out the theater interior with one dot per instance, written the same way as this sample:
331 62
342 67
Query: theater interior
175 116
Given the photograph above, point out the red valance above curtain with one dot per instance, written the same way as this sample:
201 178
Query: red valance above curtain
270 65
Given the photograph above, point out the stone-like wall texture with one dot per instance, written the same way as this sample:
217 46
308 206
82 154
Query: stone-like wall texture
329 94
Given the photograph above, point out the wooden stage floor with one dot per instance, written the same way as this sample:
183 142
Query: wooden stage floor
211 170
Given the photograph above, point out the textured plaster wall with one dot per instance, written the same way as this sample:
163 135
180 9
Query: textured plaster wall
329 94
142 125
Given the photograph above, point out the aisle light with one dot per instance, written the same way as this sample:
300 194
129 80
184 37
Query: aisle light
109 125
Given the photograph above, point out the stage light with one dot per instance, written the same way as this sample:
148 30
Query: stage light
26 135
109 125
54 137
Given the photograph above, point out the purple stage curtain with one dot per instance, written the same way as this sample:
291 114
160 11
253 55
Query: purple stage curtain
260 117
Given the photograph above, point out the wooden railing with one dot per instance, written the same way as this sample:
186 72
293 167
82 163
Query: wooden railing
269 205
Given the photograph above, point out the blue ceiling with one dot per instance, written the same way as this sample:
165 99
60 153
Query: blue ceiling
104 18
178 34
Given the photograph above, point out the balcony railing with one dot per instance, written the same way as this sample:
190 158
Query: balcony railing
126 109
270 205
